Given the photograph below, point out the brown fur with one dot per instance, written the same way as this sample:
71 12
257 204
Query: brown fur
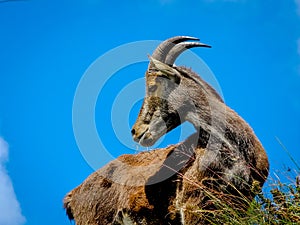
223 160
98 200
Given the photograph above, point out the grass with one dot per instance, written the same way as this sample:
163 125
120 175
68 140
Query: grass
284 205
281 205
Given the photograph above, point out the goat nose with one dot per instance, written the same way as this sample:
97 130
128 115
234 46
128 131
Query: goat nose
133 131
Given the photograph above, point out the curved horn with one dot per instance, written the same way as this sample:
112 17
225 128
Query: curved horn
162 50
179 48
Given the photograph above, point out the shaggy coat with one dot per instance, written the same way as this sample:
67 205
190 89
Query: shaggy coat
223 160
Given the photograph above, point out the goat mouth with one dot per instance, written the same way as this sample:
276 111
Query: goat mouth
146 139
140 137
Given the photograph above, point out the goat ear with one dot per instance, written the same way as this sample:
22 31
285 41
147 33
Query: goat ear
165 69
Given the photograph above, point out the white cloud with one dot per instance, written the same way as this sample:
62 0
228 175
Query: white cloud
298 6
10 211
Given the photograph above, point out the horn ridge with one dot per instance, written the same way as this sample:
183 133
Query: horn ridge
161 52
181 47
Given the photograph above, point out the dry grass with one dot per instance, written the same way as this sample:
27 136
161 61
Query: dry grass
282 206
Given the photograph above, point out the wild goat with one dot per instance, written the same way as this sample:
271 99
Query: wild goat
222 161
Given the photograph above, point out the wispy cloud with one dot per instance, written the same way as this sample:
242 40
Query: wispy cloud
9 205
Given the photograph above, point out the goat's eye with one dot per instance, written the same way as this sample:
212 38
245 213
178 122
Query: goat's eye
152 88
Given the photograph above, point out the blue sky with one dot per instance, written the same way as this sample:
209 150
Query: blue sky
46 47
